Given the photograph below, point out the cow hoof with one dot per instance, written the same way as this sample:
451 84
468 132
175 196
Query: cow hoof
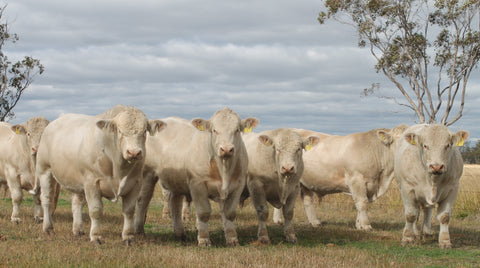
38 219
16 220
204 242
407 242
78 233
291 239
49 231
264 239
96 241
445 245
367 228
232 242
128 242
316 223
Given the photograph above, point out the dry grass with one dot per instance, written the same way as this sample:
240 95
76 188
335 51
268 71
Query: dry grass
335 243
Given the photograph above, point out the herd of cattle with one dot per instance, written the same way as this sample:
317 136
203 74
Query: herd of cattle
121 153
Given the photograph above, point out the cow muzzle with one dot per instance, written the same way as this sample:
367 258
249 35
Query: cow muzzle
226 151
436 169
287 170
134 155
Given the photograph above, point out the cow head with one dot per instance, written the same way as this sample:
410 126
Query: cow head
225 127
34 128
288 149
389 137
435 143
129 128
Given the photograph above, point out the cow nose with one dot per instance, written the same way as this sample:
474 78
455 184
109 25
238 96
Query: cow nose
226 151
134 154
437 168
288 169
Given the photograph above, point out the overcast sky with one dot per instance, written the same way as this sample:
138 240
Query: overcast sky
269 59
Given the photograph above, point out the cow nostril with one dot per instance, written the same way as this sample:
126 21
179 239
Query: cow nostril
134 153
437 168
287 170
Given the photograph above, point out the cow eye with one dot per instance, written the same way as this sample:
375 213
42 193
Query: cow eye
28 134
425 147
215 132
447 146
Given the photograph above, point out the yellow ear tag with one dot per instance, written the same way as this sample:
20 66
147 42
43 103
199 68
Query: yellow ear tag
17 131
247 130
412 142
200 127
308 147
460 142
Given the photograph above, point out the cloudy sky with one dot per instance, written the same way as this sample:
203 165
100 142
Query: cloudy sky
269 59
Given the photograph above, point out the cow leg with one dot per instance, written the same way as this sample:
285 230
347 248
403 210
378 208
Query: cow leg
46 181
229 213
187 208
78 201
175 203
288 209
13 182
128 211
166 206
199 194
144 198
260 203
427 220
277 216
37 210
444 212
308 199
95 210
358 188
56 190
411 216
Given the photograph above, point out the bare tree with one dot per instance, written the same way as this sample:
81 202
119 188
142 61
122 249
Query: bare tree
427 48
14 77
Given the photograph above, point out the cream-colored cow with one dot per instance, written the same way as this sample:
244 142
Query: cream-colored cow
360 164
204 159
428 167
95 157
19 145
275 166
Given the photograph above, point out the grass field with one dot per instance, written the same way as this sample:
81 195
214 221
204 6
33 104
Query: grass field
335 243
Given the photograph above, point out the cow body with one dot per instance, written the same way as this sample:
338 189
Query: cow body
359 164
274 171
19 144
428 167
95 157
201 159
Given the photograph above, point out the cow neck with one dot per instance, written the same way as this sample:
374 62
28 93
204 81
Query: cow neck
222 170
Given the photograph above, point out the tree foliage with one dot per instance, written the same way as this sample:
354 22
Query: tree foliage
15 77
427 48
471 153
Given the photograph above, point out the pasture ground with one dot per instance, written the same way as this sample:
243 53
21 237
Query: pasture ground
335 243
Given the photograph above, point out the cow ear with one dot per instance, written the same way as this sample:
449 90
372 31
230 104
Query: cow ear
106 124
19 129
155 126
249 123
202 125
460 137
411 138
309 142
384 136
265 140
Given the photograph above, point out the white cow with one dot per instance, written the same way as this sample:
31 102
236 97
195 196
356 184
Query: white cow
204 159
428 167
275 166
19 145
360 164
95 157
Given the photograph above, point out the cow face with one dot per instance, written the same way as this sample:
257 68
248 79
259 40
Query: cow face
288 149
129 129
435 143
34 128
225 128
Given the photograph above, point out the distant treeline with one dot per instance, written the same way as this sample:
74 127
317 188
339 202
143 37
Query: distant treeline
471 152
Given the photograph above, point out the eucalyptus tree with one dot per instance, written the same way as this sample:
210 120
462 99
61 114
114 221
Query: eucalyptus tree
426 48
16 76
